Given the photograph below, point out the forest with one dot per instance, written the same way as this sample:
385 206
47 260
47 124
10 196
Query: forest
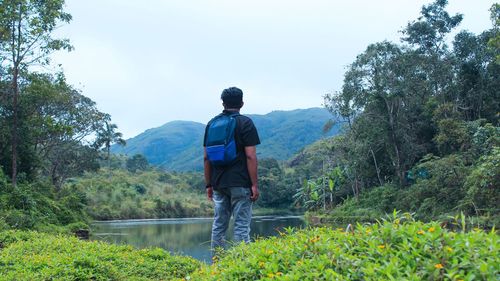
421 126
415 167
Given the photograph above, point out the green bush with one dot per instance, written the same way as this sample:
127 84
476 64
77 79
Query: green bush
36 205
398 250
483 185
120 194
3 224
441 187
37 256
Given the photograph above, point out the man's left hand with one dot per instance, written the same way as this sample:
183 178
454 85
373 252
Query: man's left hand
255 193
210 193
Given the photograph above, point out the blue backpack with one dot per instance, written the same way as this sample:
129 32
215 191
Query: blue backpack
219 140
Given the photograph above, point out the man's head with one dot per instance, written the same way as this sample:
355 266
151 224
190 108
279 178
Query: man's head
232 98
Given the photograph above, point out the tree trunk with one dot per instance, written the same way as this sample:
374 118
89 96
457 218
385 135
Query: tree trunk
16 52
392 125
15 121
376 167
108 148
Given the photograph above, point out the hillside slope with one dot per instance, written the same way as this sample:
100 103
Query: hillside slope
177 145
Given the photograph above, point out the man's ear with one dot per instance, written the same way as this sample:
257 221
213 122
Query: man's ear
242 103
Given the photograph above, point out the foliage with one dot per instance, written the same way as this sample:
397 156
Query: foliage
442 187
494 42
137 163
275 185
36 205
482 185
106 136
402 102
26 39
55 124
421 126
37 256
400 249
121 194
321 192
46 125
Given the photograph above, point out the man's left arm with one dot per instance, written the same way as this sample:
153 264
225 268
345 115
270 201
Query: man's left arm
251 158
208 175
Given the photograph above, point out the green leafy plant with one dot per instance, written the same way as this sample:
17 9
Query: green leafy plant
397 248
38 256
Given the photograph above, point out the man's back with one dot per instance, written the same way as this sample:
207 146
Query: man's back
233 187
236 174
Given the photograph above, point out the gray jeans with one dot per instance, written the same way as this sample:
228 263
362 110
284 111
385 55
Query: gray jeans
231 201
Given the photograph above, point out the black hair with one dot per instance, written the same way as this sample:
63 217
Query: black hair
232 97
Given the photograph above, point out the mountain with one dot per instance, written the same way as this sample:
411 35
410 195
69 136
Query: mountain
177 145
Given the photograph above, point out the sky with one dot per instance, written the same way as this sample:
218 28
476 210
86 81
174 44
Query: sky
150 62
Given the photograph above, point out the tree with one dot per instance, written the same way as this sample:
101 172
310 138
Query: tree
70 159
476 91
374 83
108 135
137 163
55 122
429 32
26 40
494 41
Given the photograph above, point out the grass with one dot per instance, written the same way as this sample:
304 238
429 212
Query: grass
391 250
395 249
37 256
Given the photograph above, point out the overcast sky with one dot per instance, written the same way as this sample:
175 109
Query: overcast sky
153 61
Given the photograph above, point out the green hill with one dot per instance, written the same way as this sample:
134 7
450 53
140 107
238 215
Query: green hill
177 145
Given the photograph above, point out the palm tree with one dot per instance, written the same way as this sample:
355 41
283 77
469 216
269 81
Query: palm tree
107 136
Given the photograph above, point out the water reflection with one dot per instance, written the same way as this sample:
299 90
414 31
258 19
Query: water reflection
183 236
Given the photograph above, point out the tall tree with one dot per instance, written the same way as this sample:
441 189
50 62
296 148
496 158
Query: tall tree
494 42
26 40
429 32
107 136
373 83
57 125
390 94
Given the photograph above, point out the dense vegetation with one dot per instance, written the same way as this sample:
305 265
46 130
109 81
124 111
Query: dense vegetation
176 146
395 249
132 189
38 256
49 131
392 250
421 127
121 194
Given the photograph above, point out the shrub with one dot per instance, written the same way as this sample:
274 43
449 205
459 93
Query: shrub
120 194
398 250
37 256
483 184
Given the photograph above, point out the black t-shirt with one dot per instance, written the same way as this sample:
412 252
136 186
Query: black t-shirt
236 175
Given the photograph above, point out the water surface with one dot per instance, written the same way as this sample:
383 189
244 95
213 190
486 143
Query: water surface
190 236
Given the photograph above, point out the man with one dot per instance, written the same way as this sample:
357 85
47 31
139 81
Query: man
233 187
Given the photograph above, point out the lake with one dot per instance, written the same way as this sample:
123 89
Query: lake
190 236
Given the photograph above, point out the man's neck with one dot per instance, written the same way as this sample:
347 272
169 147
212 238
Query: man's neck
232 109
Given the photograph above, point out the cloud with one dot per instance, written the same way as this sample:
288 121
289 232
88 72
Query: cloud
150 62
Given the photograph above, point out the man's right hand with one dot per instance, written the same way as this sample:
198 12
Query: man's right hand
210 193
